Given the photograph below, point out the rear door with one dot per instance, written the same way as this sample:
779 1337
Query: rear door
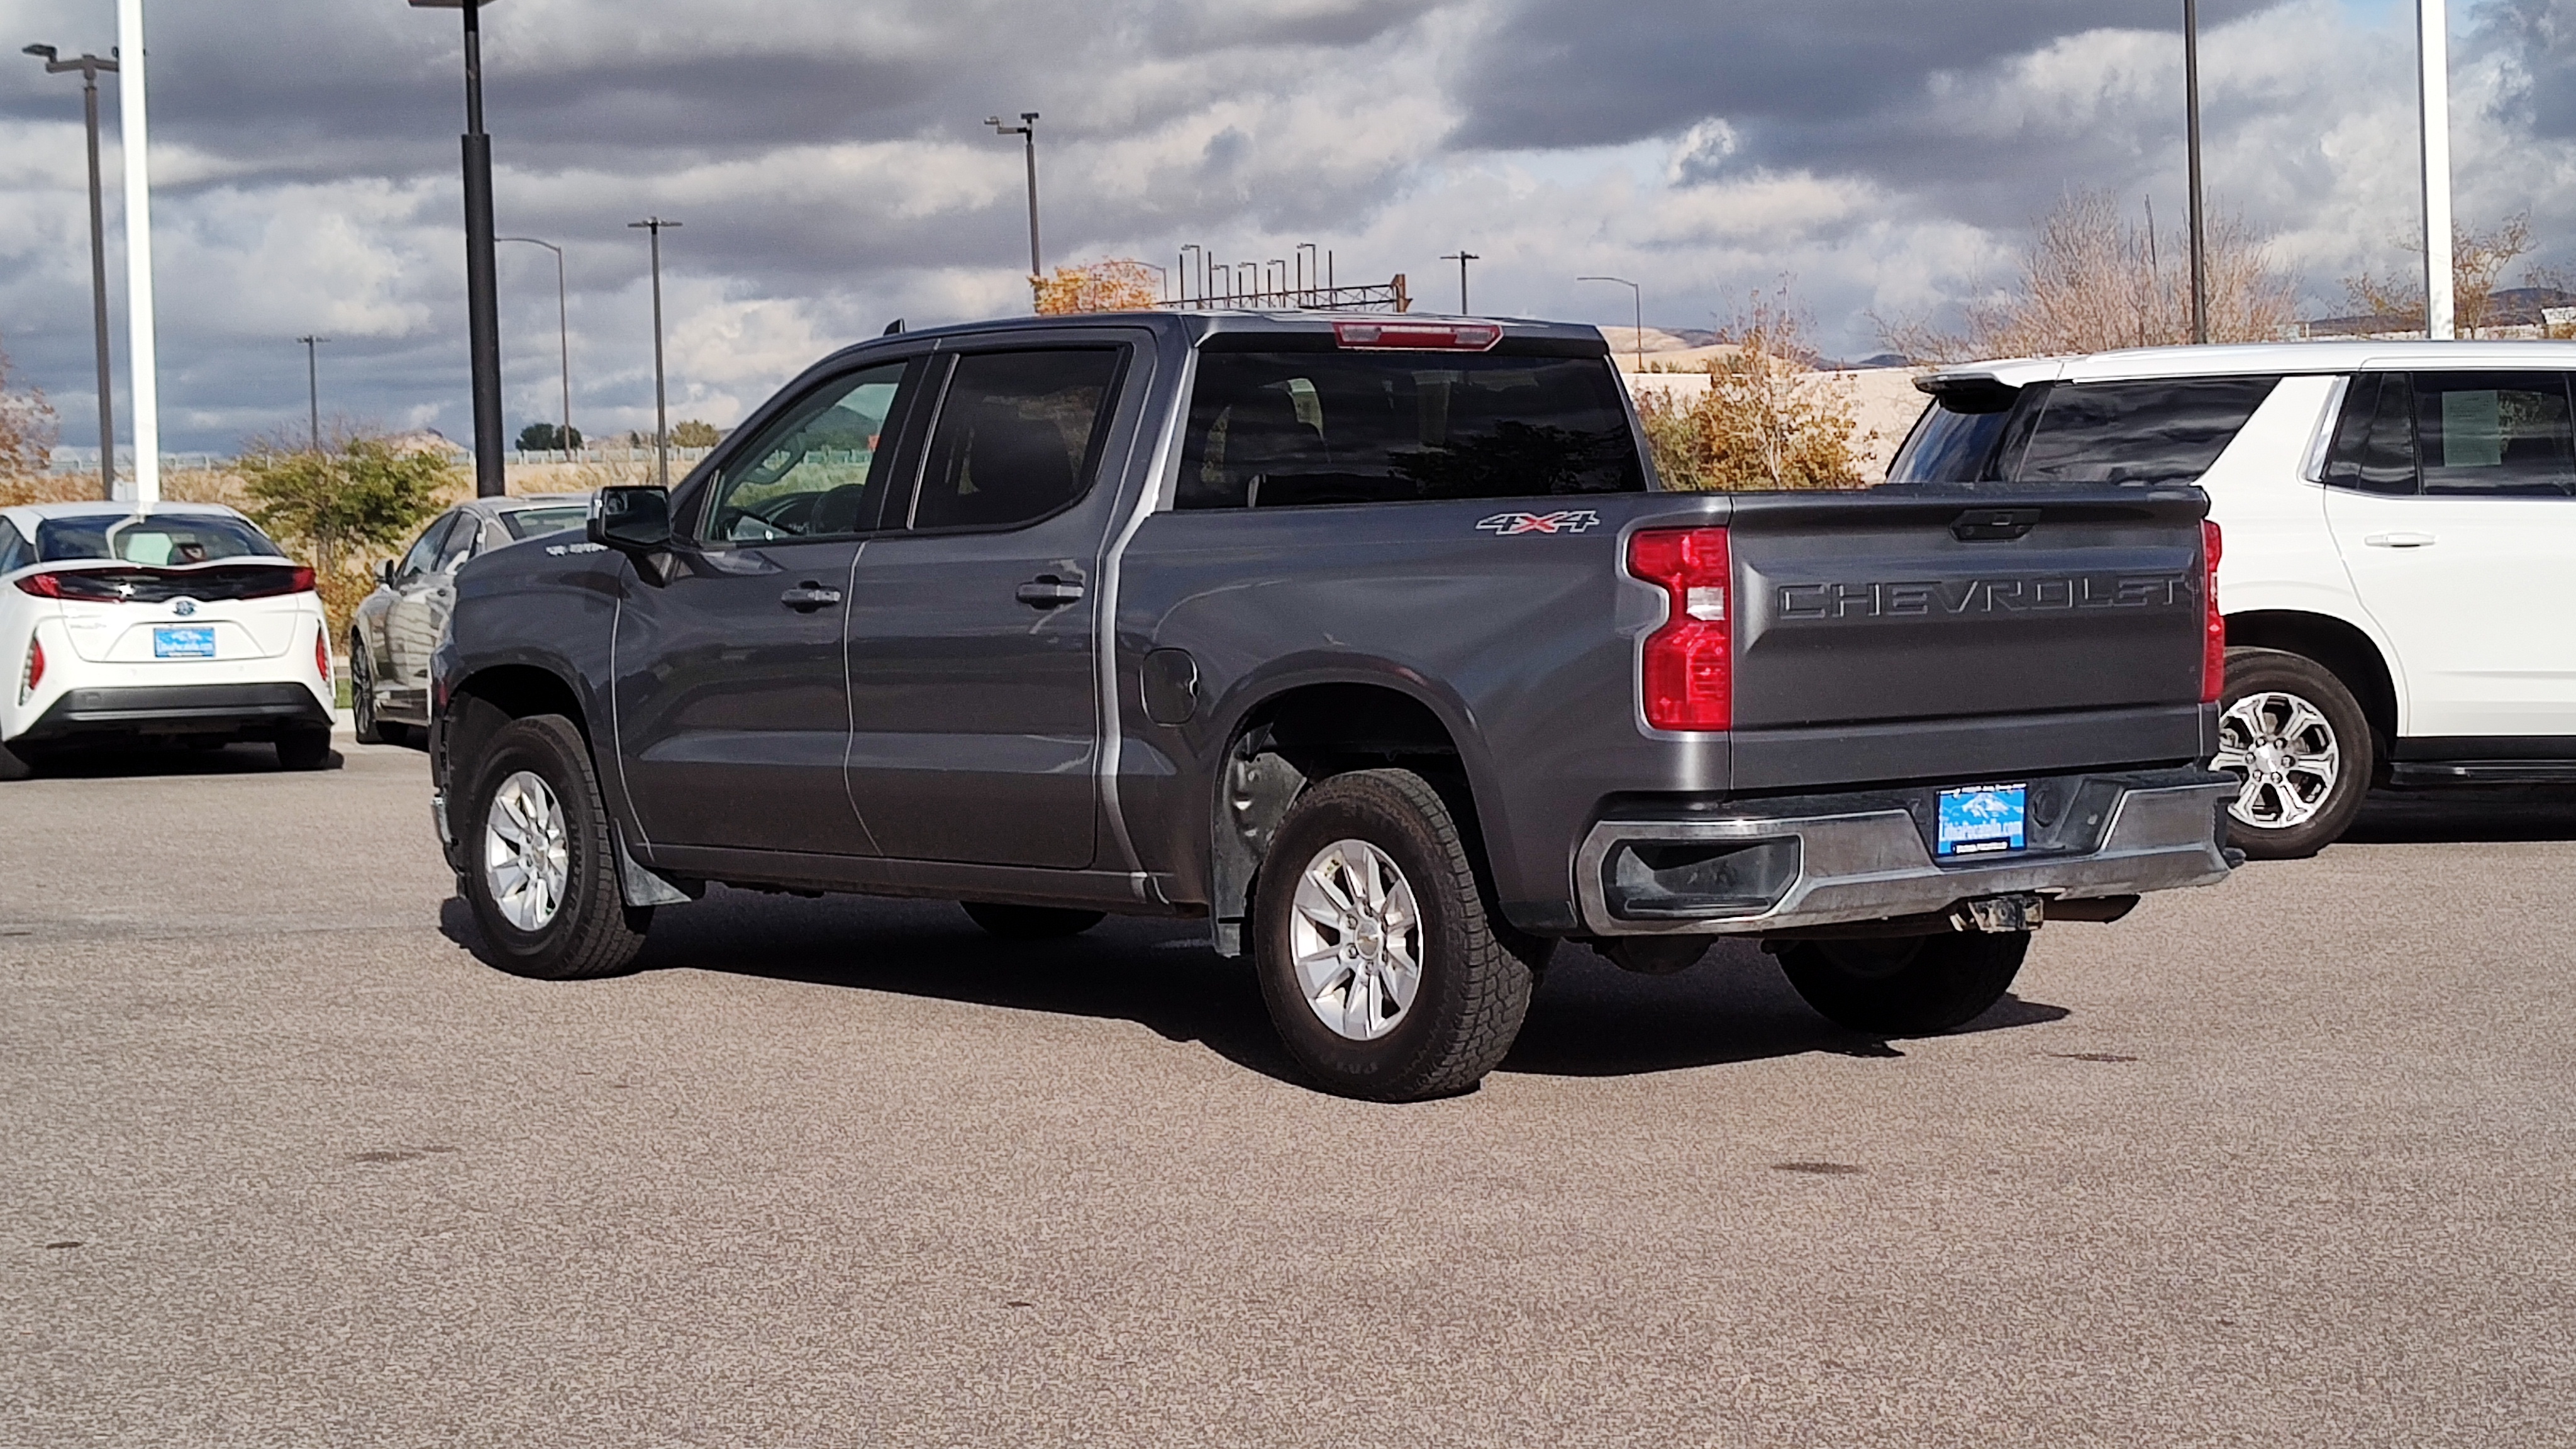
972 677
410 634
733 713
2452 496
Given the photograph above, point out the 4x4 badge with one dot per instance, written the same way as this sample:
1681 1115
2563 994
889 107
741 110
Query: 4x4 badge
1504 525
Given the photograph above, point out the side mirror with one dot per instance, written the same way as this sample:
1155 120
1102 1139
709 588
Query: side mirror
631 520
385 571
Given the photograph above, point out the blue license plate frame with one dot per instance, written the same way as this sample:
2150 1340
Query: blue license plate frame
1982 820
183 641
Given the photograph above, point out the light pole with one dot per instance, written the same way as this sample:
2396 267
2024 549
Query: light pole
661 404
2433 27
1462 257
1027 131
482 304
1638 296
90 66
313 385
563 332
2191 144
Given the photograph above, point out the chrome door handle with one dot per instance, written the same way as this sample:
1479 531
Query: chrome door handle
1046 591
806 598
2399 540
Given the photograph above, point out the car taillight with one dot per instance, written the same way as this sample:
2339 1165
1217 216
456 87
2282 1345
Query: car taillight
2213 644
1417 336
301 582
322 653
43 586
1687 676
35 671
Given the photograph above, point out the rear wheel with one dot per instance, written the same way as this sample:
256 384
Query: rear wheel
1031 923
542 867
362 699
306 747
1386 971
1906 985
2298 745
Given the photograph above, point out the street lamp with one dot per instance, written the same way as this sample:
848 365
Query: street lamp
563 332
482 305
661 404
90 67
2191 144
1027 130
1638 296
313 385
1462 257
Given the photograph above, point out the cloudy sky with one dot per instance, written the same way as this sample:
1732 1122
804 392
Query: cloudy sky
828 161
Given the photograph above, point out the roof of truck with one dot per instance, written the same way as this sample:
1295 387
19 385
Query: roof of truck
2258 358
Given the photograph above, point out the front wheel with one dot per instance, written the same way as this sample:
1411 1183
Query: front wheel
1906 985
542 866
1386 971
2297 743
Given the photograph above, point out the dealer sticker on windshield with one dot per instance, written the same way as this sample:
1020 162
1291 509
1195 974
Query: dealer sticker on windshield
1981 820
194 641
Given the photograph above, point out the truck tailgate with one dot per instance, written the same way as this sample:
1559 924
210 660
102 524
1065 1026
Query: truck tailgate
1906 623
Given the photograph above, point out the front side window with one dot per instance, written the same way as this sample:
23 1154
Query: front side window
155 539
423 552
2141 433
1291 429
2494 433
459 544
1018 437
816 472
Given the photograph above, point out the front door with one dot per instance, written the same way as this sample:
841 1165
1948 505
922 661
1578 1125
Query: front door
424 588
2453 514
733 714
975 717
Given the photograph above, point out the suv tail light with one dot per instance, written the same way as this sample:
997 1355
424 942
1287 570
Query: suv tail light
35 671
1418 336
1687 676
2213 644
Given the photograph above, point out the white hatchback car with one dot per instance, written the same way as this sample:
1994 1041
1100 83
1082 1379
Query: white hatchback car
2399 525
183 621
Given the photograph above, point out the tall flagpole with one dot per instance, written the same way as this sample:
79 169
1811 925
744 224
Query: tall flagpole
2432 20
145 402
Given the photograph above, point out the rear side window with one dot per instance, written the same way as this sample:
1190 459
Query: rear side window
156 539
2374 441
1955 440
1292 429
13 549
2142 433
2494 432
1018 437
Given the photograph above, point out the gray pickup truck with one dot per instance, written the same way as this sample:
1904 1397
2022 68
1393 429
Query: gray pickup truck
1372 641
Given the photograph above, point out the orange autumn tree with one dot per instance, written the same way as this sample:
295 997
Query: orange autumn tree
1118 285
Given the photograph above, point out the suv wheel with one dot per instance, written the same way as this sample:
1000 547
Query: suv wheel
2296 739
1905 985
1386 972
542 872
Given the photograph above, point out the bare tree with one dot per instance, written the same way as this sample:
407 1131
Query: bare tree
2092 280
2478 262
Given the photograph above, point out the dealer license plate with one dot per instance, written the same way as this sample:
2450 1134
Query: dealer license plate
1981 820
196 641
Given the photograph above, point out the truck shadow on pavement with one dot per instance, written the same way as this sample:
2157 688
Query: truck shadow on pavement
2505 814
1590 1018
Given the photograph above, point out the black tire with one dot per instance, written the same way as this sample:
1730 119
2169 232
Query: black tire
1031 923
1476 973
591 931
2263 688
362 698
14 765
1906 985
305 747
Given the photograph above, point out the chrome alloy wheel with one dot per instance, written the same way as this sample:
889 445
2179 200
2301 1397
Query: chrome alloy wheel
1356 940
526 859
2284 751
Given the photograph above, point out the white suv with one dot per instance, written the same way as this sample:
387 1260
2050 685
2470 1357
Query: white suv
180 622
2399 577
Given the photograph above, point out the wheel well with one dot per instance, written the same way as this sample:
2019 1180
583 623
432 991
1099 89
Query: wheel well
484 702
2338 646
1303 735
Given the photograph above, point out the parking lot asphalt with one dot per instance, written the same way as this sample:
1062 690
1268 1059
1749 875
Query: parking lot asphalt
2287 1161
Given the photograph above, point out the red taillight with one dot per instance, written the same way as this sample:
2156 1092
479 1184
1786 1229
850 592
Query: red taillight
301 582
35 674
43 586
1418 336
1687 677
322 651
2213 644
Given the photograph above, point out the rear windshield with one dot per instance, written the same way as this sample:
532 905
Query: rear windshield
530 522
158 539
2140 433
1289 429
